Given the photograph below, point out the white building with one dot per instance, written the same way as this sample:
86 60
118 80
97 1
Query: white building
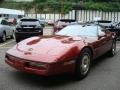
11 13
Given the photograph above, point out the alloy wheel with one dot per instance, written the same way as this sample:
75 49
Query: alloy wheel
85 64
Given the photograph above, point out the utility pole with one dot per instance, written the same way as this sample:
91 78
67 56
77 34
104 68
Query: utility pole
62 8
76 7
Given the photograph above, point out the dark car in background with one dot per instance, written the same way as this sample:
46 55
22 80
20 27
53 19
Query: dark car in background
117 30
111 26
28 27
59 24
43 22
105 23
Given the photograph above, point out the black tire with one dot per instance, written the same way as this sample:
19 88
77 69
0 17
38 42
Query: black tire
3 39
12 36
112 51
17 40
43 25
80 70
41 32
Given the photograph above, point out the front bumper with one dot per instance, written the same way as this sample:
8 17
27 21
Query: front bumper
47 70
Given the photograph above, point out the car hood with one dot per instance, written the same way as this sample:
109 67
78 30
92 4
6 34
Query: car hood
47 49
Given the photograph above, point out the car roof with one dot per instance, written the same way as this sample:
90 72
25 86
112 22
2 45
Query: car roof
67 20
29 19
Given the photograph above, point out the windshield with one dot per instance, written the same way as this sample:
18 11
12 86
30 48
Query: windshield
30 23
78 30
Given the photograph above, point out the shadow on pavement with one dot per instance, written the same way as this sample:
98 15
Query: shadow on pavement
54 81
38 81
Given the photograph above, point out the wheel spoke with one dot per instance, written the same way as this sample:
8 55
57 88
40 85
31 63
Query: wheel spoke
85 64
114 48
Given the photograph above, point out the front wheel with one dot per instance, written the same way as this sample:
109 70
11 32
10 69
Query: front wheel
83 64
3 37
112 51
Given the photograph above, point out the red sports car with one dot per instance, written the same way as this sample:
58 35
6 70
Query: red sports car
70 50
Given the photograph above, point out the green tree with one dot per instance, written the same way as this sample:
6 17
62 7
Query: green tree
39 1
1 1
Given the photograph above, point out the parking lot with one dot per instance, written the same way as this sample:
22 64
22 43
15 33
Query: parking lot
104 75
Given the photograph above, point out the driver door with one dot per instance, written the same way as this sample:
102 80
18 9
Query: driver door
104 41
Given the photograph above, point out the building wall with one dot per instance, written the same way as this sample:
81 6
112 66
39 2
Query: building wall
82 15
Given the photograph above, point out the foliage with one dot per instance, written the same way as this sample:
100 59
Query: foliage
57 6
114 6
40 1
1 1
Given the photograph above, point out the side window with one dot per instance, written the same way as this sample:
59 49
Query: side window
101 31
4 22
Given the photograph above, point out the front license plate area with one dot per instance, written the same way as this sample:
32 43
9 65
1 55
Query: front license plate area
19 64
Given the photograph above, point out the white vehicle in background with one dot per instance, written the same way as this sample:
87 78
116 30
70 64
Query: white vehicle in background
6 31
11 13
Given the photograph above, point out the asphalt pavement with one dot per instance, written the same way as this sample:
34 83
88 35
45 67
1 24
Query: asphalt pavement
104 75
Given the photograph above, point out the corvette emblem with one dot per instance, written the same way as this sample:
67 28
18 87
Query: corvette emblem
30 49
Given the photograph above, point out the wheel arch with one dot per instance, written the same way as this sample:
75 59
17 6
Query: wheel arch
89 48
78 73
4 32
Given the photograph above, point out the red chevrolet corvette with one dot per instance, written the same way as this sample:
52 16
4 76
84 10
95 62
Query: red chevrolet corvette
70 50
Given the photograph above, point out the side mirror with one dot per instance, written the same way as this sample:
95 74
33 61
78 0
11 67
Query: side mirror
101 36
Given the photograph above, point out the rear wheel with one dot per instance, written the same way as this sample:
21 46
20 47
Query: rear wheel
112 51
17 40
83 64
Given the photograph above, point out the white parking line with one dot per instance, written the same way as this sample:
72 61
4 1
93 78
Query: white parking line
5 47
6 43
